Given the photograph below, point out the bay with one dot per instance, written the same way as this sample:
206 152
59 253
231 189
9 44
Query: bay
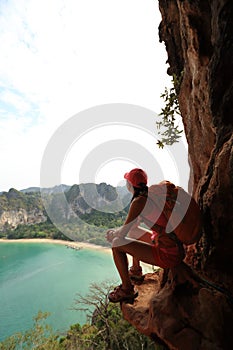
46 277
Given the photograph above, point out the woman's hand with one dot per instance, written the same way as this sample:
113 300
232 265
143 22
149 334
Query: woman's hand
110 235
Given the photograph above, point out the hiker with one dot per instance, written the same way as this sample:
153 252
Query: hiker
151 246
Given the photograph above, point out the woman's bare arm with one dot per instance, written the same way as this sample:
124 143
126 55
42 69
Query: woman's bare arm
131 221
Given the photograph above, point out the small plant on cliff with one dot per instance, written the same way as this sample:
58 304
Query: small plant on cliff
167 126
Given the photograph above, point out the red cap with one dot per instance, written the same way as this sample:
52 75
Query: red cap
136 177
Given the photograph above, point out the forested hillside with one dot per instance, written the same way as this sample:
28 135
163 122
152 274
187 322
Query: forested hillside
23 213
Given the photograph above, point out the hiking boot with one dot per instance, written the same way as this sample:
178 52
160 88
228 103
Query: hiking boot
135 274
119 294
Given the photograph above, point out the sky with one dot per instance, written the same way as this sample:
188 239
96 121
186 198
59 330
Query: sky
61 57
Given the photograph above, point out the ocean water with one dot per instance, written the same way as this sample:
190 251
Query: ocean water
46 277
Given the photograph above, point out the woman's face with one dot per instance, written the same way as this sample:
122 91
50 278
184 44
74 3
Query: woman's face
129 186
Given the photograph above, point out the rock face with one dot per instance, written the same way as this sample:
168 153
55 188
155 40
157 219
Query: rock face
63 204
85 199
17 208
181 317
12 218
199 41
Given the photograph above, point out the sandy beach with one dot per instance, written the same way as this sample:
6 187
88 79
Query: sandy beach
57 241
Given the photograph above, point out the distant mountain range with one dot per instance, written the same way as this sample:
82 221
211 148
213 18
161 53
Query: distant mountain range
55 189
61 204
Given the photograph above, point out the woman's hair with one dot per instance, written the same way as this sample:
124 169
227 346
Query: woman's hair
140 191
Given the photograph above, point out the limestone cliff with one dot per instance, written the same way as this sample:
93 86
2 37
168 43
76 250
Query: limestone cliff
63 203
18 208
10 219
199 41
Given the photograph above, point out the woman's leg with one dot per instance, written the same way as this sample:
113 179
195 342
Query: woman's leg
141 251
140 234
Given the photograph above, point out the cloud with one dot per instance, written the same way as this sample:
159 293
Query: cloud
12 99
62 56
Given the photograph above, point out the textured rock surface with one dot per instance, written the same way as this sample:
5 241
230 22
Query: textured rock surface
183 317
199 40
17 208
13 218
27 207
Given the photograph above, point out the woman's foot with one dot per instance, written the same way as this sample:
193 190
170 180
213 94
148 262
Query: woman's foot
135 273
119 294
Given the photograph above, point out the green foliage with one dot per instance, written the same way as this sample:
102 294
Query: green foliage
90 228
83 233
170 131
106 329
102 219
41 230
14 200
40 337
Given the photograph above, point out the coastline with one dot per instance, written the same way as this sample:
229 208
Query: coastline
80 245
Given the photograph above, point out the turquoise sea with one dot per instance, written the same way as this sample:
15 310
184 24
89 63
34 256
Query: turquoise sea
46 277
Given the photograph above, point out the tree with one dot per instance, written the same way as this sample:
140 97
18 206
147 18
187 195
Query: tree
106 329
40 337
168 126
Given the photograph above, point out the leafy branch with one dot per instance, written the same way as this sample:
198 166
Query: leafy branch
167 126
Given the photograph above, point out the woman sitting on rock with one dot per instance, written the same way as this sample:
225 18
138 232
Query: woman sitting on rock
152 247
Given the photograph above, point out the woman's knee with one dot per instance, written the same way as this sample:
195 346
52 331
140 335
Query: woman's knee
118 242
